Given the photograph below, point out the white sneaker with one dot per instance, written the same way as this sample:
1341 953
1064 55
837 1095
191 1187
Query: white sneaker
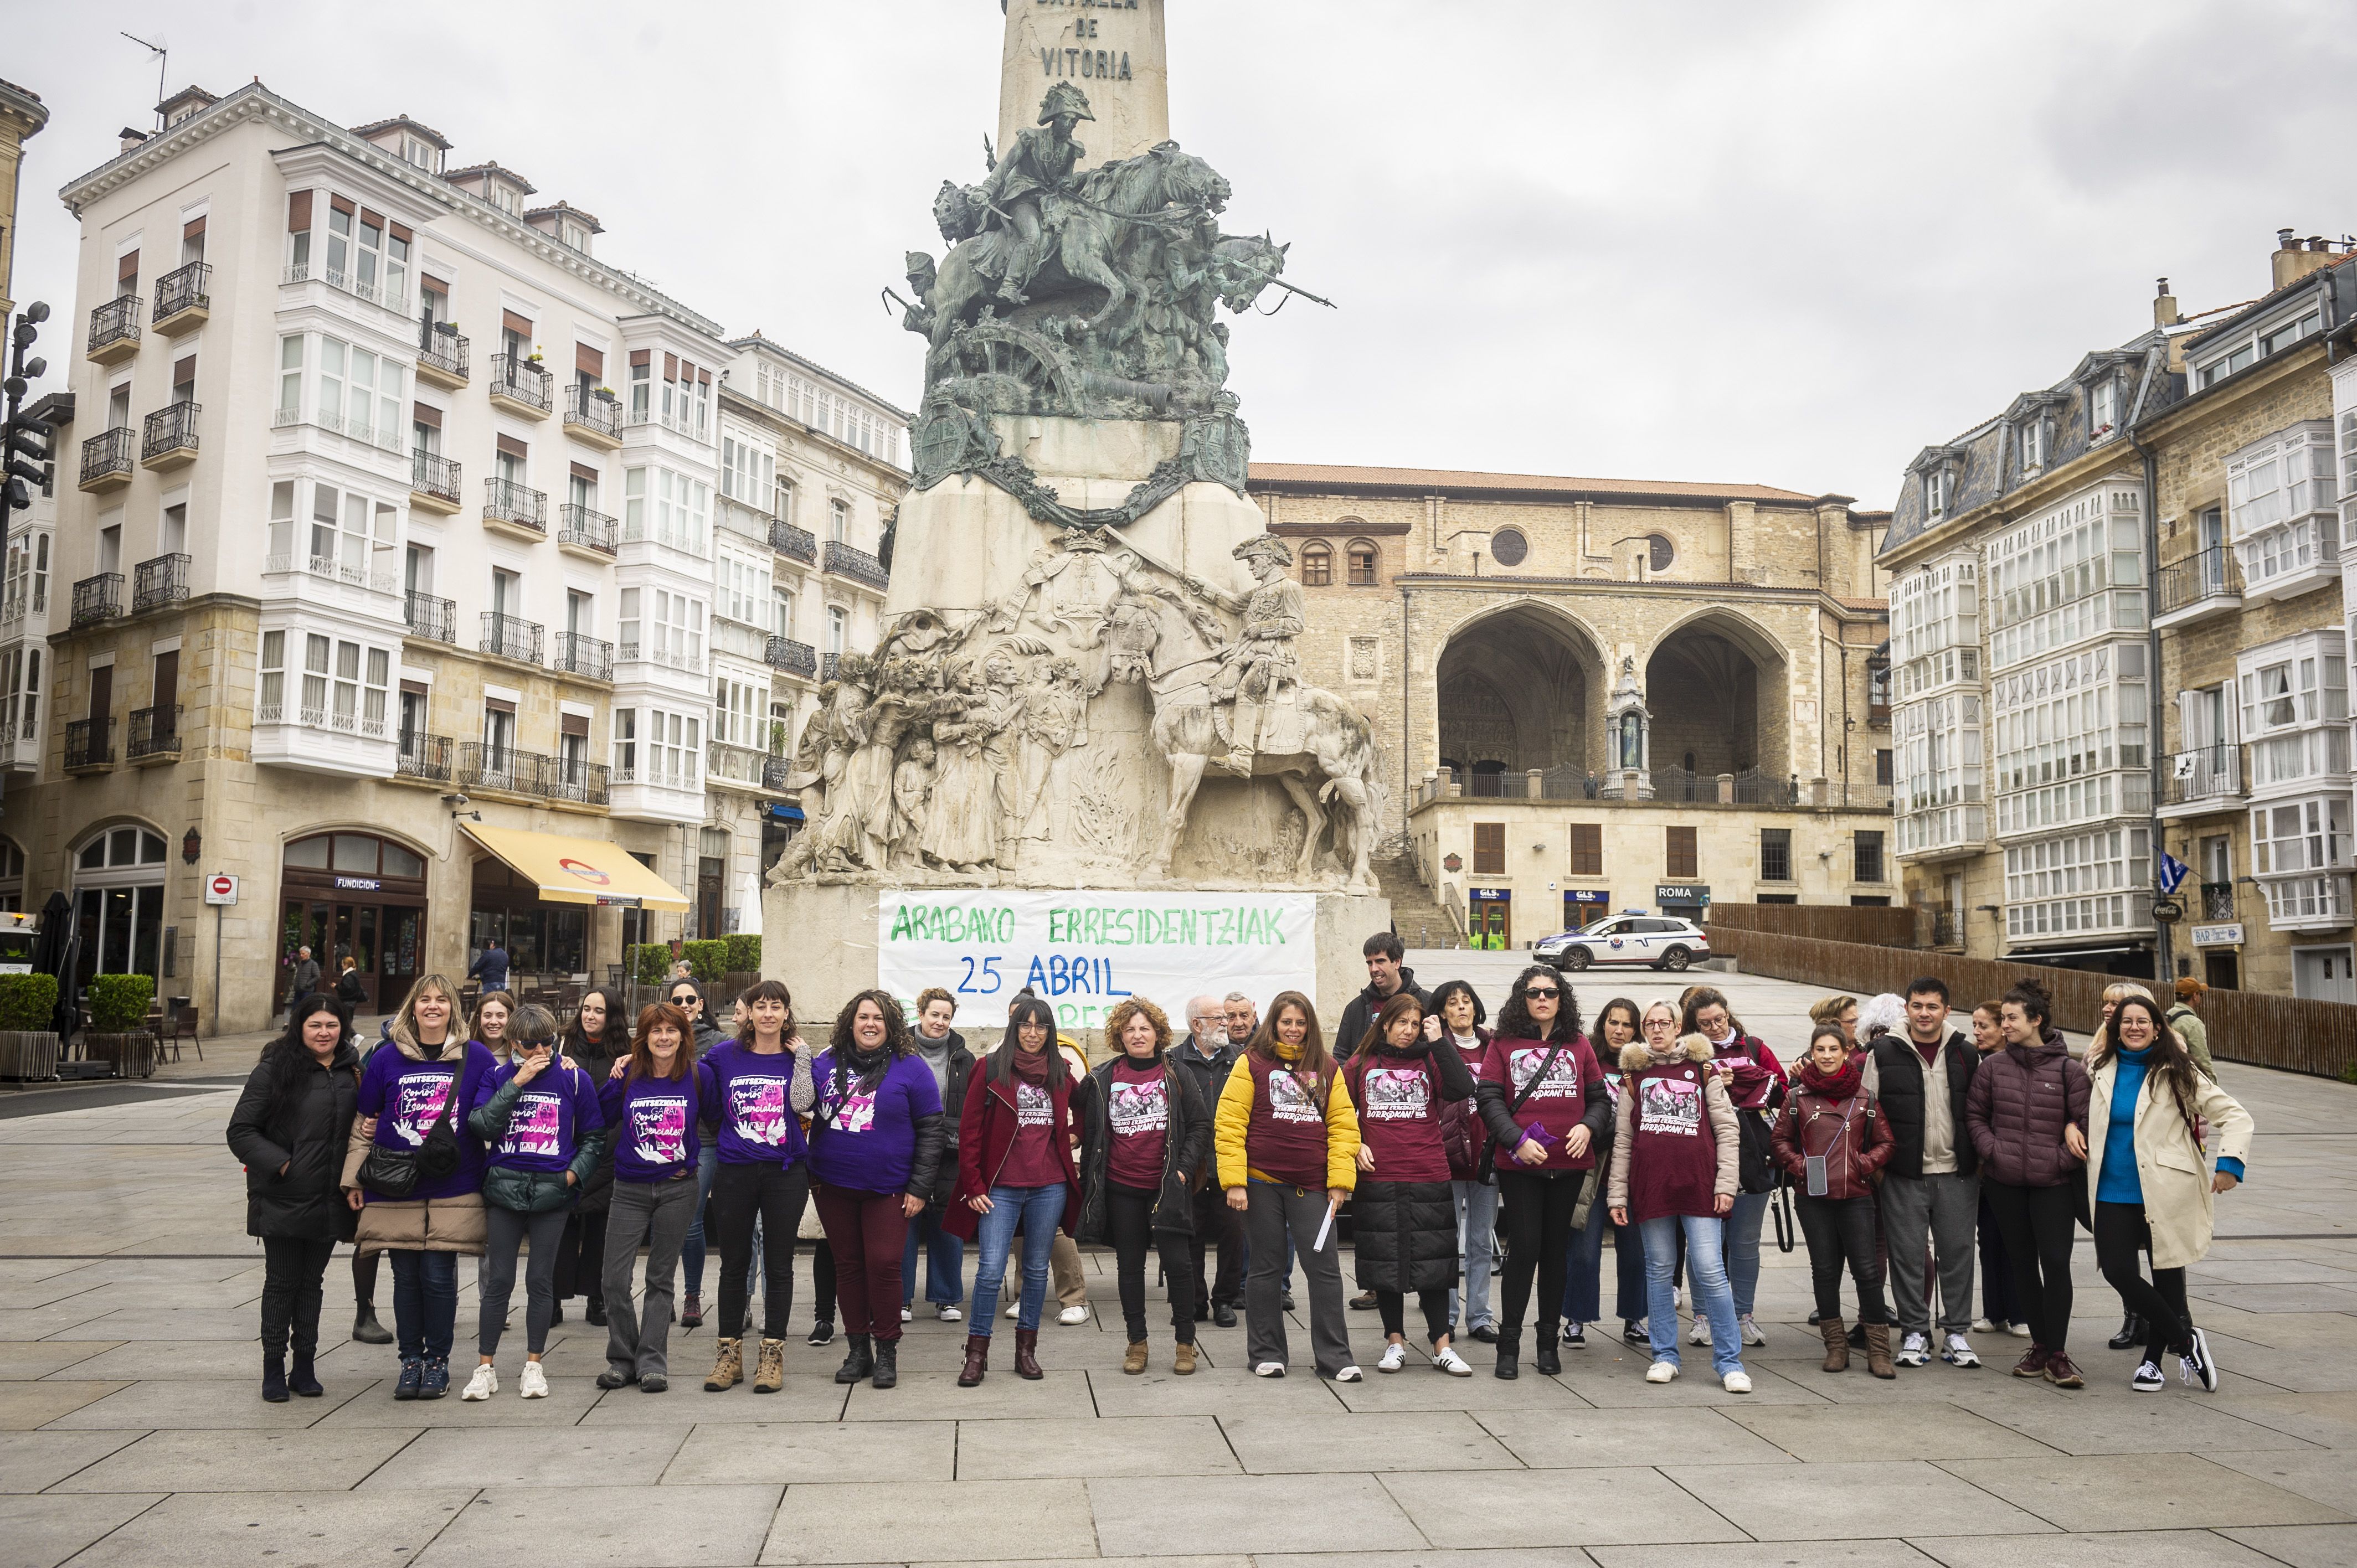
1914 1350
948 1314
2147 1378
1983 1325
1350 1375
1662 1372
1960 1352
1751 1334
533 1384
1394 1357
1014 1307
907 1315
483 1384
1738 1381
1700 1333
1269 1369
2018 1331
1450 1363
1072 1314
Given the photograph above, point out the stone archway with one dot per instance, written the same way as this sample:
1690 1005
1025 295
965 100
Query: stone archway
1717 686
1519 688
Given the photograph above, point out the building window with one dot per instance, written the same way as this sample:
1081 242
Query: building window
2258 342
119 903
1680 860
1362 555
2078 883
1775 854
2102 408
2033 445
1939 490
2279 507
1316 566
1587 849
1508 547
272 704
1885 774
1488 849
2295 704
1659 552
838 628
626 744
1867 856
838 521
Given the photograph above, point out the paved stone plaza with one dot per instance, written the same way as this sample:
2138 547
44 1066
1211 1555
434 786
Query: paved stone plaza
131 1430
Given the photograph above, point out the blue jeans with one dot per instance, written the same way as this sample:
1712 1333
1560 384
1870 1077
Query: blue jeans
1582 1273
691 1252
1705 1276
425 1302
945 1262
1038 1210
1476 1245
1743 1248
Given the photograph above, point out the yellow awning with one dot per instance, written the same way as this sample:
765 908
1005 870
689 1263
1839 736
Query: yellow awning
577 870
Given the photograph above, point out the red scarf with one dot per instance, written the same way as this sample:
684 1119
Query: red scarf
1839 1085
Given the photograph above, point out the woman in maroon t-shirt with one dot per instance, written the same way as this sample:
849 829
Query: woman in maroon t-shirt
1407 1089
1147 1135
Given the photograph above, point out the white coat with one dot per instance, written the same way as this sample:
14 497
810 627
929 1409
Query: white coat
2177 1202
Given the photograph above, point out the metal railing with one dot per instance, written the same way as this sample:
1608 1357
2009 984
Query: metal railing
172 428
155 732
797 544
1947 928
2217 900
431 617
857 564
116 321
793 658
577 524
519 379
564 779
423 755
1755 788
2212 772
600 415
183 290
579 655
484 766
157 582
443 350
511 637
90 742
1492 786
519 504
430 474
108 451
775 771
2211 574
97 598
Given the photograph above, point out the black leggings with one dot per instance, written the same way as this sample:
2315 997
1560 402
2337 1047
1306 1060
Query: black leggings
778 1194
1435 1302
1129 1215
292 1268
364 1278
1842 1230
1538 1239
2038 1224
2121 1233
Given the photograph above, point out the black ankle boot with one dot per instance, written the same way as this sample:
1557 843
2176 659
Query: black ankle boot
301 1379
273 1377
2131 1333
1509 1356
859 1362
367 1329
1549 1359
888 1363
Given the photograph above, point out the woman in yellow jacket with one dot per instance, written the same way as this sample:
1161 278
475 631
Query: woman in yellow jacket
1288 1146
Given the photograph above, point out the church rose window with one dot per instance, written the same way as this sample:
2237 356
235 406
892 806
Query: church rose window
1509 548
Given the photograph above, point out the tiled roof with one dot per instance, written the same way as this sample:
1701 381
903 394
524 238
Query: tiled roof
475 171
423 129
1461 481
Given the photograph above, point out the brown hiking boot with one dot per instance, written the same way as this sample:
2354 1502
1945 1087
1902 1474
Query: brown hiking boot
1027 1359
2033 1361
1182 1360
770 1376
1837 1340
2062 1373
1878 1350
1133 1360
977 1361
729 1369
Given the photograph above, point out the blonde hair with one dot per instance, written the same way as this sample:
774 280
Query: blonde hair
404 1021
1828 1010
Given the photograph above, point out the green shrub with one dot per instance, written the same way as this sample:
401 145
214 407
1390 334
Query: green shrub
744 953
647 962
2349 1073
707 961
118 1002
29 1003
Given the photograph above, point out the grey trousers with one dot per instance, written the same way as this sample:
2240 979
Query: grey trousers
660 1212
1276 1210
1945 1210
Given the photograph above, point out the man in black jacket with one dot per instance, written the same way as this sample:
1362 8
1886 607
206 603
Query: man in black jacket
1385 979
1208 1055
943 1049
1931 1188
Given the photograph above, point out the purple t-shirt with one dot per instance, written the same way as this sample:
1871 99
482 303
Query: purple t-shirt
750 1098
867 1142
653 1122
405 1096
550 1114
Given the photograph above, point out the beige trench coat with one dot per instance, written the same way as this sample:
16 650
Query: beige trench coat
2177 1202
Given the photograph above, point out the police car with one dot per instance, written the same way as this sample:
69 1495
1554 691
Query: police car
1656 941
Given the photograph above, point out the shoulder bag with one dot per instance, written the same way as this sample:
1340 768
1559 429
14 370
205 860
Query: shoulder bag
395 1173
1486 1166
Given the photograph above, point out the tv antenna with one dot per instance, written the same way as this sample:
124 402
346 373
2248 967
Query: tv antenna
163 56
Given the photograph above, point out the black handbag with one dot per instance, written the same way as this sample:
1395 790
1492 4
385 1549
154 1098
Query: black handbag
1486 1166
395 1173
1755 1166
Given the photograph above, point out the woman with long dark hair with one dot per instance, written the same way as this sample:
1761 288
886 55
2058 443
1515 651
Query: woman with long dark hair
598 1038
2000 1314
1015 1168
688 997
1833 1142
2153 1188
1147 1136
2028 1112
1458 1018
1544 1100
290 1128
1616 1029
1755 1087
1287 1140
654 1101
876 1141
761 1084
1406 1090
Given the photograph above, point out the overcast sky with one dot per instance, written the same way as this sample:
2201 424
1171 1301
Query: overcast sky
1783 243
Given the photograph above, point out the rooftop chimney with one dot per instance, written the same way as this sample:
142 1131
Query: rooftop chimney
2163 306
2294 261
131 138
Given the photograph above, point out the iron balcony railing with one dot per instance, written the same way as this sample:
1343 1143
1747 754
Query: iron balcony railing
90 742
2211 574
98 598
423 755
157 582
2217 901
577 524
440 346
432 617
183 290
484 766
171 428
433 476
155 732
775 771
515 377
579 655
571 779
519 504
797 544
857 564
2212 772
1947 928
793 658
598 412
107 453
116 321
511 637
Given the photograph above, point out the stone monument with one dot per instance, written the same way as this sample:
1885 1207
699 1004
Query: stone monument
1086 678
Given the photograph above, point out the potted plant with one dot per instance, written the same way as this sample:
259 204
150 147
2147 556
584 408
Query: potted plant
118 1017
28 1046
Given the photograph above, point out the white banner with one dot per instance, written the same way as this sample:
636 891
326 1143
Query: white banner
1083 953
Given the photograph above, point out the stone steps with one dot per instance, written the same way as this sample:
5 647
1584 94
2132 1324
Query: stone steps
1419 921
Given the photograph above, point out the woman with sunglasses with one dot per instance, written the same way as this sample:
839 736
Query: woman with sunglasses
1544 1100
685 995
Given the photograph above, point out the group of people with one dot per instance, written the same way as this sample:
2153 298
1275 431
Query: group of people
1467 1156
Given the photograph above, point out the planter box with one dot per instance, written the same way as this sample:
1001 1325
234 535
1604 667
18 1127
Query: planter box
133 1056
25 1053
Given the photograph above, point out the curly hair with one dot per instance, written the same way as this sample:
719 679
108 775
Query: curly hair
1514 1021
1136 1007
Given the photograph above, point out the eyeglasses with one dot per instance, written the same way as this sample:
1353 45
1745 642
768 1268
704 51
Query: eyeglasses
1541 990
1653 1023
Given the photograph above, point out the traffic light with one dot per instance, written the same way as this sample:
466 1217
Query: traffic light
26 451
23 443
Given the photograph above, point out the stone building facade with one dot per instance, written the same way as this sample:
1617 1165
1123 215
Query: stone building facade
1640 692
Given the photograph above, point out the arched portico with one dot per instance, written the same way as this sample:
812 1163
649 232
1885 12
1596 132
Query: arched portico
1520 686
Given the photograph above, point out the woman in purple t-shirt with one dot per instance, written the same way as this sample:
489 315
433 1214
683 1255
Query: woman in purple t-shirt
650 1103
758 1086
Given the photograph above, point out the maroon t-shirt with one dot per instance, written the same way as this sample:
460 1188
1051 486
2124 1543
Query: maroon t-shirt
1031 1159
1137 1113
1400 1110
1286 1139
1556 1104
1672 1153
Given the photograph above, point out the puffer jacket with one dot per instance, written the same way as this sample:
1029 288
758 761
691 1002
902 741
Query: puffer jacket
1811 1125
2022 1097
1404 1233
1186 1151
418 1224
1898 1082
306 1130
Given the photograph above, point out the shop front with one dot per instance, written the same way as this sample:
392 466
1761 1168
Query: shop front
1682 901
1582 906
536 895
1490 919
356 896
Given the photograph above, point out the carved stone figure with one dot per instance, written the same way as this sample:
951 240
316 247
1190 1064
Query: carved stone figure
1055 720
1256 669
961 830
912 792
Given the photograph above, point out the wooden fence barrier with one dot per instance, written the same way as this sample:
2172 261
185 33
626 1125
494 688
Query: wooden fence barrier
1894 927
2265 1030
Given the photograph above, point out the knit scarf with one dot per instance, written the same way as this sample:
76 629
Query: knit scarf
1031 1067
1838 1085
